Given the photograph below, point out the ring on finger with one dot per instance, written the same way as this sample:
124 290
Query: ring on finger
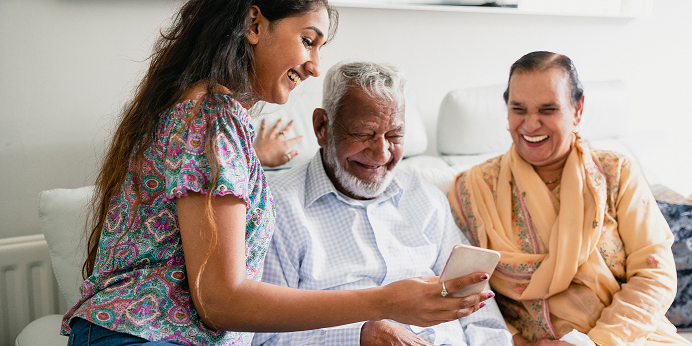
282 133
288 156
444 290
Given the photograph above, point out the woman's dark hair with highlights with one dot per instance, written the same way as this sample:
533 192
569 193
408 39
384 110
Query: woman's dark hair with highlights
205 42
541 61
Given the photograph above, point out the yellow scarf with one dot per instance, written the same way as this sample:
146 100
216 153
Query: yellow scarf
564 237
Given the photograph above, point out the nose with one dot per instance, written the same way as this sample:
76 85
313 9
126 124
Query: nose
378 150
532 122
312 66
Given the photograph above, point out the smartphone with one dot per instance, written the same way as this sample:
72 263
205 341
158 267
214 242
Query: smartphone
466 259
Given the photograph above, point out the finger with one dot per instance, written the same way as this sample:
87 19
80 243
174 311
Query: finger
288 127
293 141
275 130
487 295
449 315
287 157
263 128
461 282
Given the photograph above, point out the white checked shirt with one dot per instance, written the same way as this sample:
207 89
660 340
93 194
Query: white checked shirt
327 241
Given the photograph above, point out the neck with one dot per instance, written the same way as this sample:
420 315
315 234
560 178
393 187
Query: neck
551 174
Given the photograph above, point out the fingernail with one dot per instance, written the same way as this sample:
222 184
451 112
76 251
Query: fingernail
481 305
263 120
296 153
491 294
484 277
290 122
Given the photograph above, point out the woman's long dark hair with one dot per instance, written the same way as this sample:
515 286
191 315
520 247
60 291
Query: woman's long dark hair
206 42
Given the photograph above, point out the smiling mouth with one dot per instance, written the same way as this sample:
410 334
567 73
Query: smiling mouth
535 139
295 78
368 166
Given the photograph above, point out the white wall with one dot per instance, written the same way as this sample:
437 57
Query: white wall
67 67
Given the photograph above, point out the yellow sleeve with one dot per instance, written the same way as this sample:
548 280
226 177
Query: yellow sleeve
639 306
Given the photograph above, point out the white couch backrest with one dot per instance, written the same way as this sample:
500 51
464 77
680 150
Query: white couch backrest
473 121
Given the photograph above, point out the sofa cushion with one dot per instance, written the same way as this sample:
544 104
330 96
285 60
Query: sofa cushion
300 106
63 215
44 331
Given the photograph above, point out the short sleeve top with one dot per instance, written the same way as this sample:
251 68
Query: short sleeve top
139 285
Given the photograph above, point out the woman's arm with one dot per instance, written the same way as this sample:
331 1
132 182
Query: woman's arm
226 300
650 268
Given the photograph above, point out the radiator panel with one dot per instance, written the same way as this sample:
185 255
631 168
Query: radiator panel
28 289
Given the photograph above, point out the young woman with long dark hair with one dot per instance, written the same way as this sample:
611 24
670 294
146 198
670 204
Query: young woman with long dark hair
183 215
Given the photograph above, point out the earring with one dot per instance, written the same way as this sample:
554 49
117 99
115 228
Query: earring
507 127
576 129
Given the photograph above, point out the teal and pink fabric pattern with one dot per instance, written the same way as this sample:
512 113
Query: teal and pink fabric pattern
139 285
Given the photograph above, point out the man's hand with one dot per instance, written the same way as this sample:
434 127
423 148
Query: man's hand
520 341
385 333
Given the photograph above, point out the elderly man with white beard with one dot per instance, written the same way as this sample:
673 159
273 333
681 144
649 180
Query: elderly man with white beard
349 220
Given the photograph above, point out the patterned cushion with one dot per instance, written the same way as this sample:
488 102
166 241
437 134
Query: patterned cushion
679 217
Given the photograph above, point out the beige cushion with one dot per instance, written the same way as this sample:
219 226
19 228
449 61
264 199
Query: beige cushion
44 331
63 218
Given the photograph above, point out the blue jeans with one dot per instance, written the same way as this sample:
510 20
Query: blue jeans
85 333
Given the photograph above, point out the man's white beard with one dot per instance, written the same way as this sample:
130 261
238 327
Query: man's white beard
351 183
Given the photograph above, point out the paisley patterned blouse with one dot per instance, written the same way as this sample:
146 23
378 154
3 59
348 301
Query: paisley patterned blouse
139 285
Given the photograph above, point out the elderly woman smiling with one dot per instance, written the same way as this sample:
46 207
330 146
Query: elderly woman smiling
583 243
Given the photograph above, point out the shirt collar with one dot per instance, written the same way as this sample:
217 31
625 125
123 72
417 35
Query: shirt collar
317 184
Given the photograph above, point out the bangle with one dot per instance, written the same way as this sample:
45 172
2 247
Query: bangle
598 343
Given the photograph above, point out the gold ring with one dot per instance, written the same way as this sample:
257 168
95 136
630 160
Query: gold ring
444 290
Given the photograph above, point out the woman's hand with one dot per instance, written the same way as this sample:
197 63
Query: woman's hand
419 301
272 148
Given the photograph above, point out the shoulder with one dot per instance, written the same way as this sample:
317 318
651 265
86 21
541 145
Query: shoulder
488 171
218 111
415 187
611 163
289 182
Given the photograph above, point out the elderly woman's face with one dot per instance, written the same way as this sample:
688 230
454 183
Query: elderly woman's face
541 115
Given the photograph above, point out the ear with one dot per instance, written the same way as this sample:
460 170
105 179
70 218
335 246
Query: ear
319 125
253 31
578 109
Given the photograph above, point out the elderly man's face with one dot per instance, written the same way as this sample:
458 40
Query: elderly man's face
364 144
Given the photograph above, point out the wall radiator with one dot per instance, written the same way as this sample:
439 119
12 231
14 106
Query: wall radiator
28 289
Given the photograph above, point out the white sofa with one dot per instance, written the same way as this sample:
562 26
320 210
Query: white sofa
471 129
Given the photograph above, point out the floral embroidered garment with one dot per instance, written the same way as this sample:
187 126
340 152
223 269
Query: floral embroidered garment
139 285
592 255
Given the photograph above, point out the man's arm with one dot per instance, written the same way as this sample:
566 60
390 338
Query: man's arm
282 267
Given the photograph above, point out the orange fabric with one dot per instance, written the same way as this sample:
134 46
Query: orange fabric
558 269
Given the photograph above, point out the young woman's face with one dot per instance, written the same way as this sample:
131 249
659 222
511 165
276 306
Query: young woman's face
287 52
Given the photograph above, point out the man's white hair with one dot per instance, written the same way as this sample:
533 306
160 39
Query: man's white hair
379 81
